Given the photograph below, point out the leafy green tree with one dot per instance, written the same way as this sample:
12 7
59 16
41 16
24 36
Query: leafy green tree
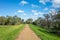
2 20
57 20
17 20
47 16
29 21
9 20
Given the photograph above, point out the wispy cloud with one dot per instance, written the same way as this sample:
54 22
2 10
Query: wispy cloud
45 9
35 6
44 1
24 14
34 17
41 13
36 13
52 9
20 11
23 2
56 3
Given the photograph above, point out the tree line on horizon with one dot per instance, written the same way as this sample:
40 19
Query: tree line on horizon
9 20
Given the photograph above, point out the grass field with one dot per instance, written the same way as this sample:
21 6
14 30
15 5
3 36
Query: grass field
10 32
42 34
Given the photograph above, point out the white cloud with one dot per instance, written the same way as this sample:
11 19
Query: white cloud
52 9
45 9
56 3
20 11
35 6
41 13
24 14
36 13
23 2
44 1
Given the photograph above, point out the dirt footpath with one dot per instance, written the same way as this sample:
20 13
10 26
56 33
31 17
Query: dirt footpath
27 34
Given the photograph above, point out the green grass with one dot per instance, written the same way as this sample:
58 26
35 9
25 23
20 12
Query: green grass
43 34
9 32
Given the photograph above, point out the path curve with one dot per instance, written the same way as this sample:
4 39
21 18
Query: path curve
27 34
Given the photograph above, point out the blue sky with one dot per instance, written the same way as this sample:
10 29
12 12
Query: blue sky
28 8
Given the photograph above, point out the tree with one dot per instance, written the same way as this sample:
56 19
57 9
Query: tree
57 20
29 21
47 19
2 20
22 21
10 20
17 20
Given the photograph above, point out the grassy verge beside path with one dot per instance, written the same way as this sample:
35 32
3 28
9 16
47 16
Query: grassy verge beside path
42 34
10 32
